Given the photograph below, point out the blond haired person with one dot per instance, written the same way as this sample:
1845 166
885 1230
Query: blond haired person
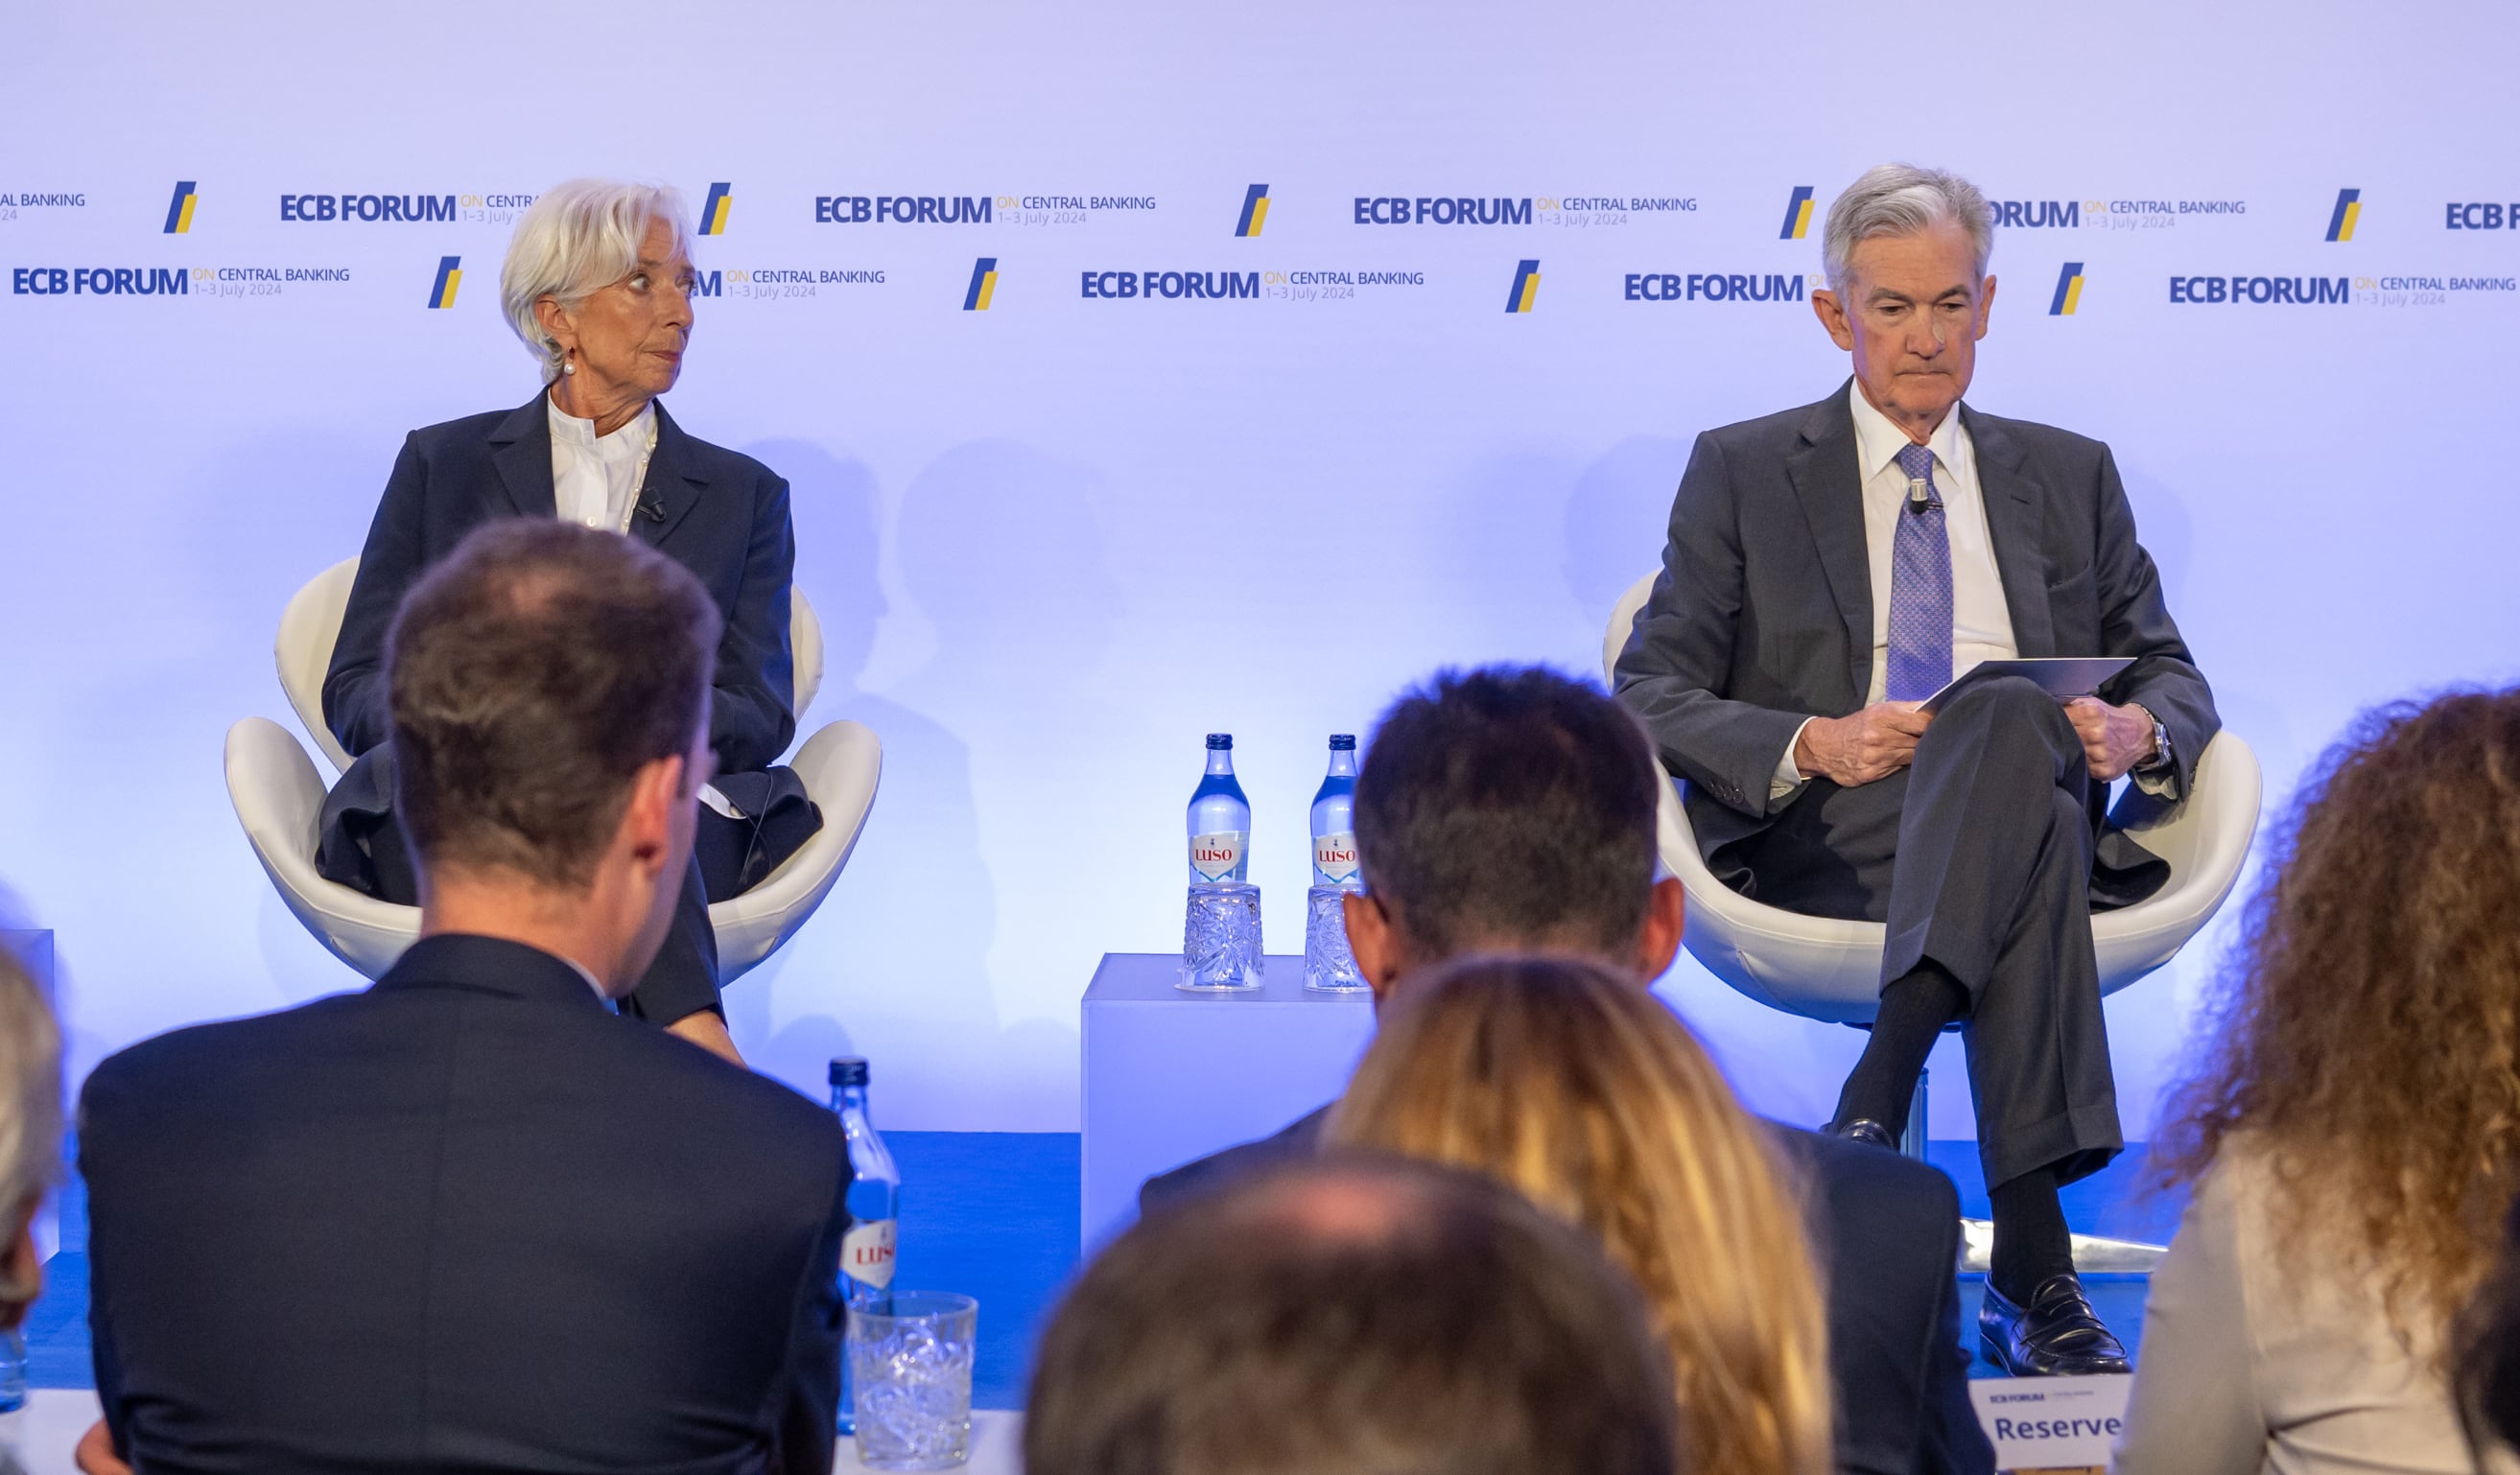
1569 1083
2354 1137
1512 810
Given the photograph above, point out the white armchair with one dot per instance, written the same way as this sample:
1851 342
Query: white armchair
278 795
1831 970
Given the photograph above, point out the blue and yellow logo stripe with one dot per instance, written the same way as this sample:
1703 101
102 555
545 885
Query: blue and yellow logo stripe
2349 209
1798 213
450 276
1526 287
713 214
1255 211
2069 291
179 213
984 285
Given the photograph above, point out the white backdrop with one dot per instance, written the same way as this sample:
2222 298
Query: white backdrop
1056 539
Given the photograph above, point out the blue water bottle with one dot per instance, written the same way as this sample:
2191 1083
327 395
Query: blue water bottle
1220 820
868 1247
1329 965
1334 819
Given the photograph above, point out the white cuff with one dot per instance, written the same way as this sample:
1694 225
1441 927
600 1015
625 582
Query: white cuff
1787 777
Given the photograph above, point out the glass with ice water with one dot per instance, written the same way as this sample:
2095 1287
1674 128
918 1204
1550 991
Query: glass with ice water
1221 939
1329 966
912 1370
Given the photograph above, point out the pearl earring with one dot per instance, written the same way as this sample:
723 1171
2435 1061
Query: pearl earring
567 366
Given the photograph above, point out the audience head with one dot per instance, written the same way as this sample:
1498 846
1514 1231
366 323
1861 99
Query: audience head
1356 1316
30 1129
550 703
2367 1047
1563 1080
1508 810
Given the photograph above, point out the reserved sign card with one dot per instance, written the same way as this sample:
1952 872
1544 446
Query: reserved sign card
2052 1424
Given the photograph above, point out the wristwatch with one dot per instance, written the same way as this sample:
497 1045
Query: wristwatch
2161 758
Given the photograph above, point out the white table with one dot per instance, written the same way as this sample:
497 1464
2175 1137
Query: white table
1171 1074
2076 1425
45 1432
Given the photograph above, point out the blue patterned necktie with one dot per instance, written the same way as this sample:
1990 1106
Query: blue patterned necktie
1920 589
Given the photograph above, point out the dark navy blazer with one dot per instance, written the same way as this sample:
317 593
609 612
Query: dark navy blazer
466 1220
1886 1234
719 513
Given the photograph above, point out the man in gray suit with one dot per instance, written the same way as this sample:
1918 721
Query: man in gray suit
1831 567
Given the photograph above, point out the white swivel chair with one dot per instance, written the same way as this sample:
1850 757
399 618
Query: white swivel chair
278 795
1829 969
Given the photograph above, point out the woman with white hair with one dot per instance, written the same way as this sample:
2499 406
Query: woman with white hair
597 283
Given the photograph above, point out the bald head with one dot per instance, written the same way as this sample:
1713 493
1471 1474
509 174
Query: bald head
1359 1316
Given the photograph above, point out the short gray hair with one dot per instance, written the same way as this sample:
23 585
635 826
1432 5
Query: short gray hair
576 239
1901 200
30 1089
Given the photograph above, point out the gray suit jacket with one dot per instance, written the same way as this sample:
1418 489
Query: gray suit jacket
1763 616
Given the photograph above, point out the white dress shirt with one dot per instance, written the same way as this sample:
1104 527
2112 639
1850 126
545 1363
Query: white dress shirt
587 973
596 479
1980 624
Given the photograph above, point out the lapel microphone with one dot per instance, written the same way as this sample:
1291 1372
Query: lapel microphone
653 508
1921 496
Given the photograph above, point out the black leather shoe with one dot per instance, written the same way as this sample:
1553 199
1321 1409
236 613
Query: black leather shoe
1864 1130
2056 1335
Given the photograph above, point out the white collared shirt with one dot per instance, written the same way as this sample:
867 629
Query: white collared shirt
587 973
595 480
1980 624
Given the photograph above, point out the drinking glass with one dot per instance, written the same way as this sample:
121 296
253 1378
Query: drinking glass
912 1370
1329 966
1221 939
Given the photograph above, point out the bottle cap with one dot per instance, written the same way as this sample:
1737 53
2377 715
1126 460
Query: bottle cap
1220 740
1343 743
850 1070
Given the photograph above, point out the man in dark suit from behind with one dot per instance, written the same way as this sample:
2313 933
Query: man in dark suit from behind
470 1218
1512 811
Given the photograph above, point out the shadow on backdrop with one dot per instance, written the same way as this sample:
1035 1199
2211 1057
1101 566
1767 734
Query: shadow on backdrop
1617 518
1001 548
871 943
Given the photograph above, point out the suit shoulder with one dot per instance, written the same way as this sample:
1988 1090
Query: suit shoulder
1882 1181
720 464
763 1109
469 432
1769 435
196 1054
2042 440
1295 1142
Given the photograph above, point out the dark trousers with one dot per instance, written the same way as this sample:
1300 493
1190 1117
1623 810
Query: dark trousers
1978 856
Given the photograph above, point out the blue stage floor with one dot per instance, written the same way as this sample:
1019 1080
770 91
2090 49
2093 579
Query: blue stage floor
994 1214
